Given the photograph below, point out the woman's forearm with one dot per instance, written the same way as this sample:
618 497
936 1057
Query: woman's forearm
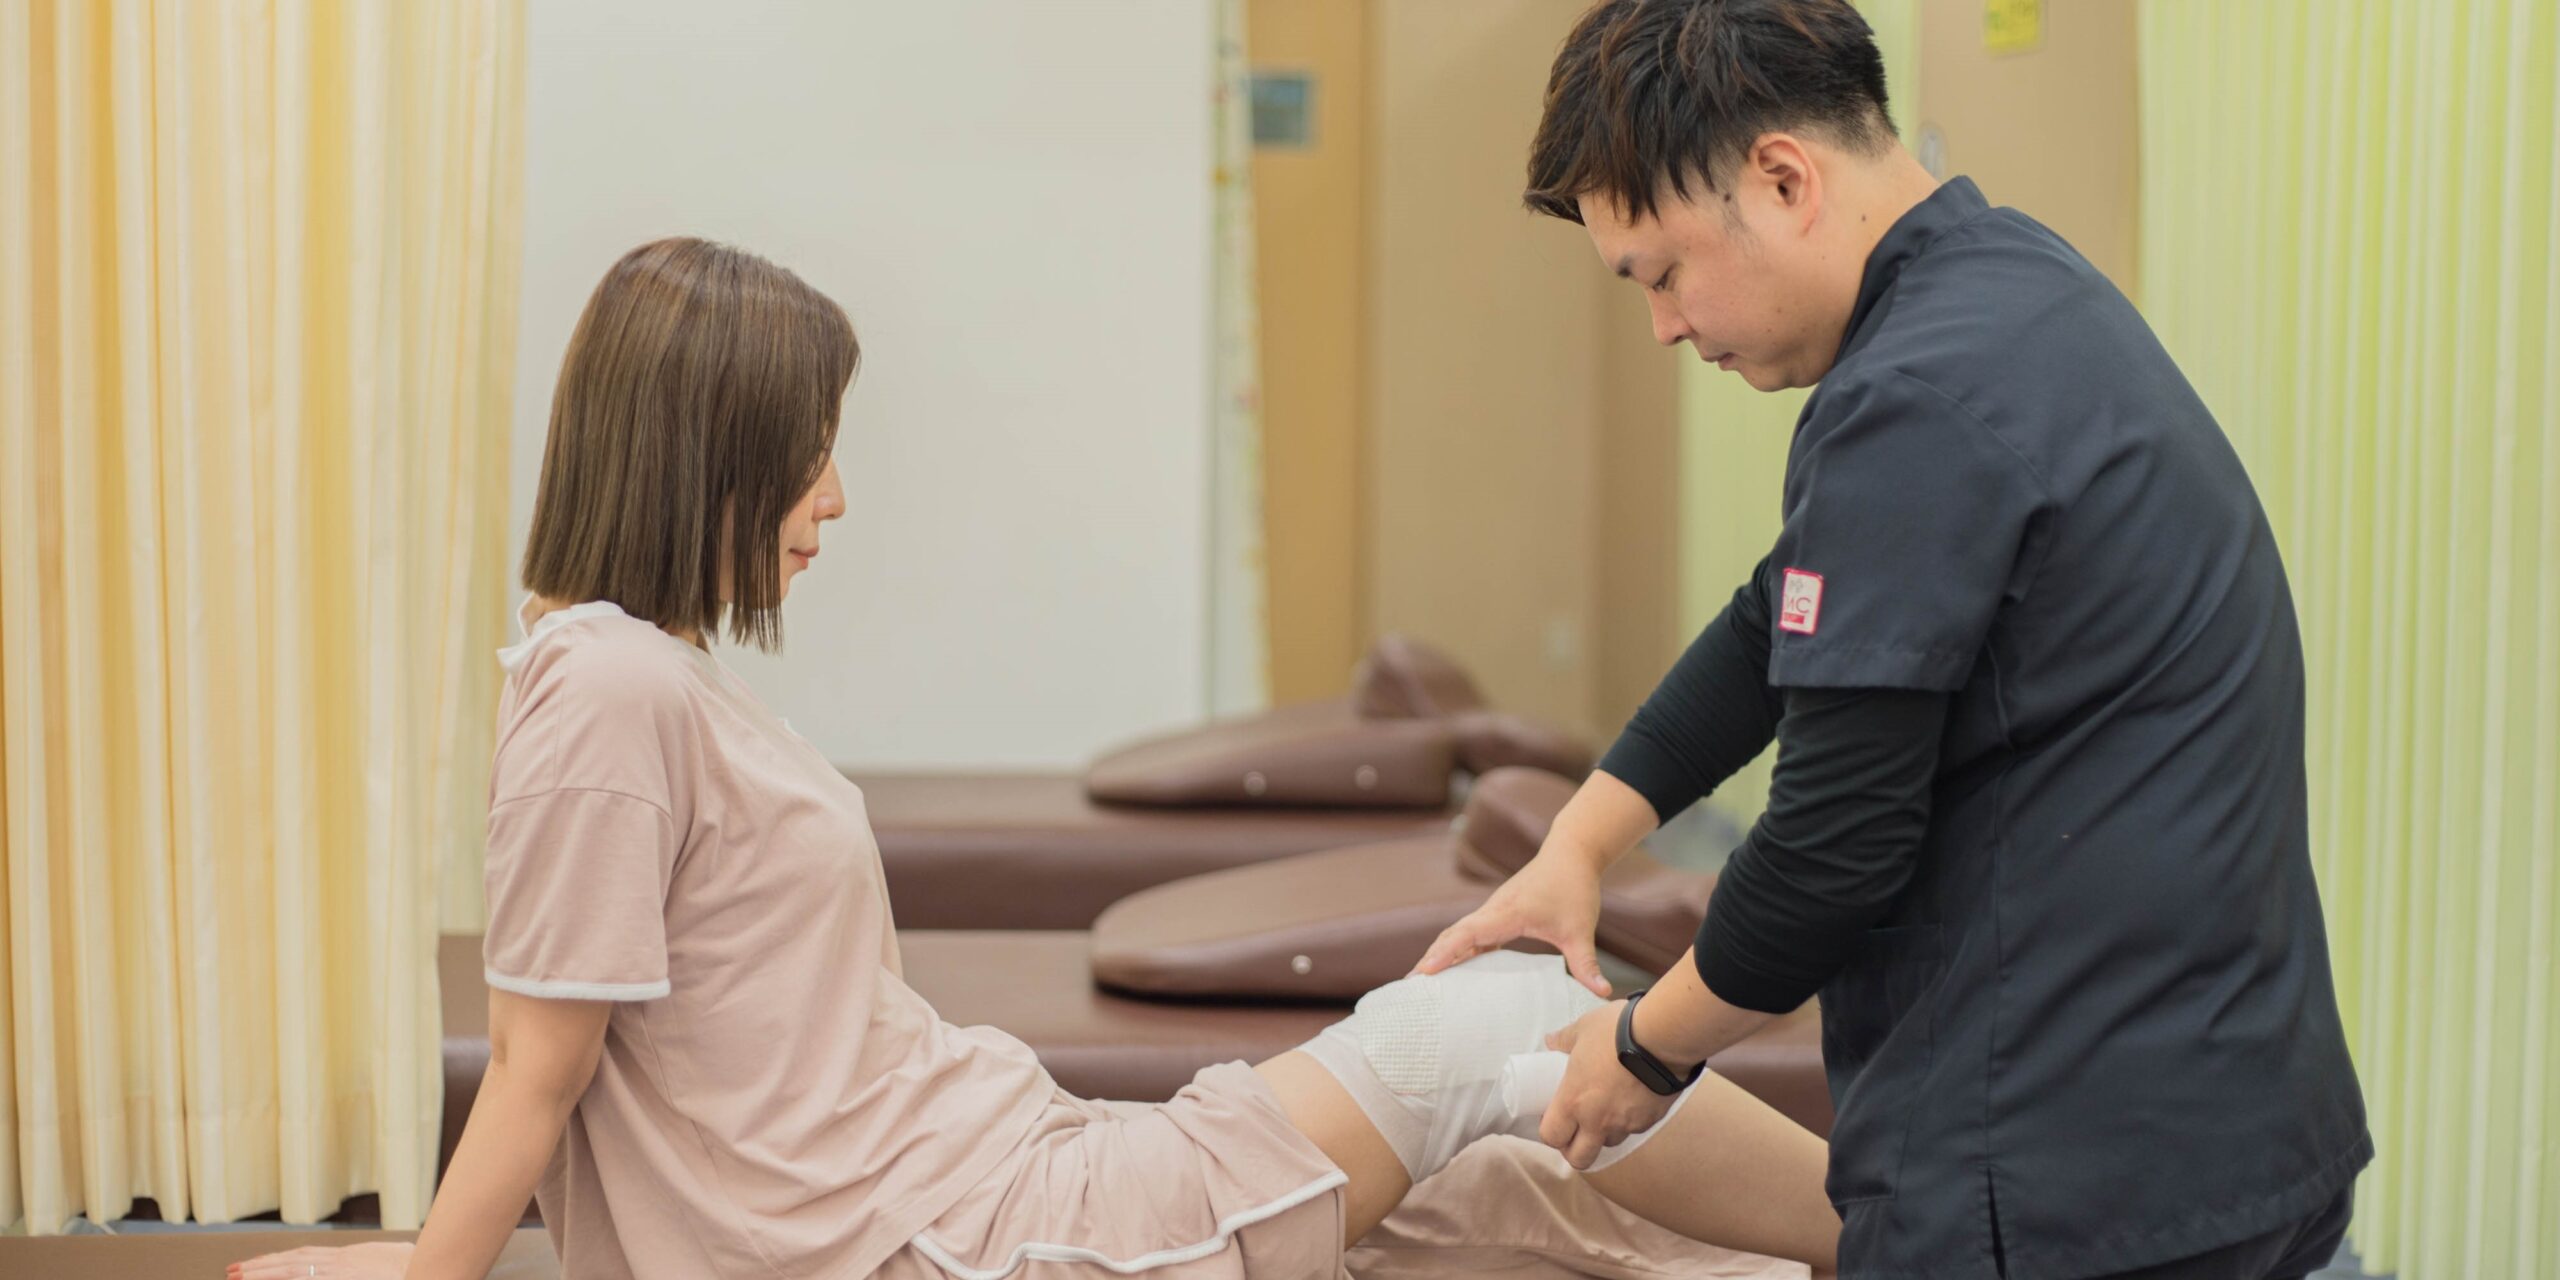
514 1128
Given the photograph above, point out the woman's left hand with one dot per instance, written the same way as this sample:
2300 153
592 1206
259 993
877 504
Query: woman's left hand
381 1260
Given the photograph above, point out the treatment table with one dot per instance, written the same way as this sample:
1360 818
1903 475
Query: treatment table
1387 761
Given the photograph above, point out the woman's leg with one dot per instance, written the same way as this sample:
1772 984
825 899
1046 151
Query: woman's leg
1728 1169
1725 1168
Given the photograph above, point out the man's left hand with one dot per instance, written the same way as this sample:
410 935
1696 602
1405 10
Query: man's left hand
1600 1103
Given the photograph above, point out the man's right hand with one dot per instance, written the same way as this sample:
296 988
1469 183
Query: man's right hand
1555 899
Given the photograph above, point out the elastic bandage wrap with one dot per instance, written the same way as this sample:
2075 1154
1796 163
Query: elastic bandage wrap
1438 1062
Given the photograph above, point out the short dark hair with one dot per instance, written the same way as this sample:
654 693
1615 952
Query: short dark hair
701 381
1649 94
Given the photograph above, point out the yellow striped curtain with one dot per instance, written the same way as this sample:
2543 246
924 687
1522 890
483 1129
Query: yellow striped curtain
257 288
2351 242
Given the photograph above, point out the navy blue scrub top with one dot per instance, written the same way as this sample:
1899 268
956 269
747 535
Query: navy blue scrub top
2097 1024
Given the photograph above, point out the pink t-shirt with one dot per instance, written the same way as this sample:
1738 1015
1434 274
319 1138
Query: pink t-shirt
772 1098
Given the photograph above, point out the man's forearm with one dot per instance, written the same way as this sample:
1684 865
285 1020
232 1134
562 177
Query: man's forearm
1848 812
1604 819
1683 1023
1712 712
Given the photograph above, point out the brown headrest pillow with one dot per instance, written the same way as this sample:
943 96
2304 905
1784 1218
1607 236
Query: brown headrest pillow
1286 758
1403 679
1319 926
1491 740
1507 816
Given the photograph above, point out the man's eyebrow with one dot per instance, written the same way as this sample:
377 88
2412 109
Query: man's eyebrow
1627 267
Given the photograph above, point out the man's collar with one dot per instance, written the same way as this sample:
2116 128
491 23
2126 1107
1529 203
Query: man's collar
1953 202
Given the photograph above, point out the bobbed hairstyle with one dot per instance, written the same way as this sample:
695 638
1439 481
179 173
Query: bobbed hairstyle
697 403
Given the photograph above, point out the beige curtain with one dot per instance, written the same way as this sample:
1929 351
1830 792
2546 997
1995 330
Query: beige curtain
257 278
2351 242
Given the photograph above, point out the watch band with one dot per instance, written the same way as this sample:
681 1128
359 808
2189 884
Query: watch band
1640 1063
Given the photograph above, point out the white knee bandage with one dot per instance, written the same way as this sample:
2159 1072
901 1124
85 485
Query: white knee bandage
1439 1062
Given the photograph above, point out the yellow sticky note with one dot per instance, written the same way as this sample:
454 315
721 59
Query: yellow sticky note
2012 26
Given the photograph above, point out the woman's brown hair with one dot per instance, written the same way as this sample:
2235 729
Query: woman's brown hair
696 405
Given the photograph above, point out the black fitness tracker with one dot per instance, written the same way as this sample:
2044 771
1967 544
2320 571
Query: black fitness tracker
1644 1066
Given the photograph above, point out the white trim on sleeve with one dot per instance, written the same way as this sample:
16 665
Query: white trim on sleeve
1044 1252
577 990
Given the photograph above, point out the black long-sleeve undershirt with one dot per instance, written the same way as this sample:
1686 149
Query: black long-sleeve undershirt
1848 802
1710 715
1848 805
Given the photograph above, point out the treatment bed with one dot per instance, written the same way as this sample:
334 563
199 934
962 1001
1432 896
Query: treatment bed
1387 761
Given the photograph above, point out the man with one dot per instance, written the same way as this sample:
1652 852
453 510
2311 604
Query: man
2037 830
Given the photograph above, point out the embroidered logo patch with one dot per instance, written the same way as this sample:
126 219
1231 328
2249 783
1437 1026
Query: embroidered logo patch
1800 602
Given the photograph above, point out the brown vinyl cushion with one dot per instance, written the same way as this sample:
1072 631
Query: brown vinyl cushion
1491 740
1507 816
465 997
1319 926
1035 985
1413 721
1319 756
1402 678
1335 924
1032 851
1100 1045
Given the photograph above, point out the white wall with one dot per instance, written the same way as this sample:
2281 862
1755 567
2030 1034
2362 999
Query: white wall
1012 201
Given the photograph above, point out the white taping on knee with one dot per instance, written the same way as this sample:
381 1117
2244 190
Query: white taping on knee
1426 1058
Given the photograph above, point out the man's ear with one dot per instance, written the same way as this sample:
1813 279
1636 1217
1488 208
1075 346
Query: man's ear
1783 166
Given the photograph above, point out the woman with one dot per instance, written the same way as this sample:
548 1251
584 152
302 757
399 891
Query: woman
704 1060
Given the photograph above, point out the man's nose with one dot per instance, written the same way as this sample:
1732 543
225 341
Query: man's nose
1668 327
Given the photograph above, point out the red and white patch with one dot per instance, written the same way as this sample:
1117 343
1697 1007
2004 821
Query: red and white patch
1800 602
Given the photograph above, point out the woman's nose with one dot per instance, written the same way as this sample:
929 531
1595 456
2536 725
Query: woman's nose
830 502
